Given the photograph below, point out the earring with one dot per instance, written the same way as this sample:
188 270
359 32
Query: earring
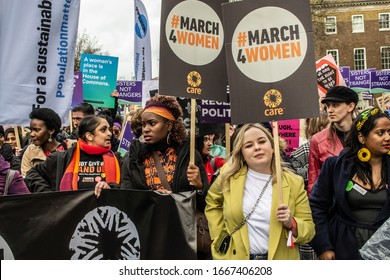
169 138
50 139
364 155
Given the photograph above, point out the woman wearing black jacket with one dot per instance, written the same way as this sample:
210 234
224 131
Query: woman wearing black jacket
89 164
164 135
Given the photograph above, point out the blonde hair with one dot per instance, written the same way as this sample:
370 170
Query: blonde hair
236 161
315 125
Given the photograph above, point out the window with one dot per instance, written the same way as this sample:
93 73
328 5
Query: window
360 58
330 25
385 57
384 21
335 54
357 23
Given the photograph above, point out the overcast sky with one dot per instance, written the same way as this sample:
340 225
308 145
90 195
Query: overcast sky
112 23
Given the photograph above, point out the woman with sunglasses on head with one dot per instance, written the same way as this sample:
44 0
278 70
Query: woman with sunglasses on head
90 164
350 199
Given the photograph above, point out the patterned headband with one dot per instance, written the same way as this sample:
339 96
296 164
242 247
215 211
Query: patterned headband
364 117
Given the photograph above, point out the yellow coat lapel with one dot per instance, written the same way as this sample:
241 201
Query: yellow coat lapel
275 229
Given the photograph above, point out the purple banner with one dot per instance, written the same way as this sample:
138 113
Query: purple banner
345 72
129 91
215 112
125 139
77 89
360 80
380 81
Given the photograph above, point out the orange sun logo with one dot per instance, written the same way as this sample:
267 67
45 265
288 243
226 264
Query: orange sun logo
194 79
273 98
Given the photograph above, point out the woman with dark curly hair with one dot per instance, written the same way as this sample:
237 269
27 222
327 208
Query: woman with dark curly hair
165 140
45 125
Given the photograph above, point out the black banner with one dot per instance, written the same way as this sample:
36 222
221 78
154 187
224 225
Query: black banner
120 224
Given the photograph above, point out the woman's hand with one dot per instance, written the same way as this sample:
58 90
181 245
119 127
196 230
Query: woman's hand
193 176
284 216
327 255
163 191
99 186
17 151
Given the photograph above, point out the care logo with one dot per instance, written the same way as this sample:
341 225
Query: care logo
272 99
194 79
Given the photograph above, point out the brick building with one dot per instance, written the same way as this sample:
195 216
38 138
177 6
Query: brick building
356 33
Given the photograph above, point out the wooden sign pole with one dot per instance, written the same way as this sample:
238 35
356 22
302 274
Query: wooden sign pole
192 131
277 160
16 132
227 138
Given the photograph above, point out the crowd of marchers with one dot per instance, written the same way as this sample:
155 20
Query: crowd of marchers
332 194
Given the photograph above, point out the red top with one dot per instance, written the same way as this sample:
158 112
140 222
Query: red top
218 163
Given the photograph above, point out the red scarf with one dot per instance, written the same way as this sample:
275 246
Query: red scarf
110 165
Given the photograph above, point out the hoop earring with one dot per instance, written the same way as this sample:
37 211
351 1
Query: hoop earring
169 136
364 155
50 139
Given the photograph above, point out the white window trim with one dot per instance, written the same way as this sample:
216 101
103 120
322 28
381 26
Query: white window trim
383 47
379 17
335 22
358 31
365 57
337 54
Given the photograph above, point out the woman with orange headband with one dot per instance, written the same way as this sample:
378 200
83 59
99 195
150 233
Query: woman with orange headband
165 140
88 164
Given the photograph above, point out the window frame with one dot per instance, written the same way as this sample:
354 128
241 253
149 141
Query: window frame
383 64
354 24
388 22
336 51
364 59
327 24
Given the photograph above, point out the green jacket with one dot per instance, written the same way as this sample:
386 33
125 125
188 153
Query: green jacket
224 211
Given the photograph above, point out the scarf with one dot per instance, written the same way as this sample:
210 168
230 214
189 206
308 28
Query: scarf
110 165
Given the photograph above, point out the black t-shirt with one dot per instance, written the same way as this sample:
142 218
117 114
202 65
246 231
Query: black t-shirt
90 170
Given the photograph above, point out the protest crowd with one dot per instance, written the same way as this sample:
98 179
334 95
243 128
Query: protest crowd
334 186
199 168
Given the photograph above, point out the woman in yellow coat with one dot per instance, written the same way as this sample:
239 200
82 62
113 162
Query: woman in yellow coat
244 203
